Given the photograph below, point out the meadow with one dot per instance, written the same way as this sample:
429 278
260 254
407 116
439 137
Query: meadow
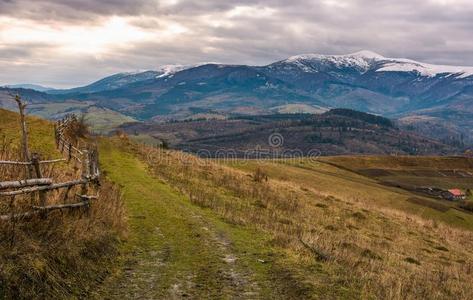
341 234
274 229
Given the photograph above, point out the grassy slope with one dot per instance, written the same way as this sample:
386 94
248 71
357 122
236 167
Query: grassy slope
104 120
41 135
344 184
373 250
101 120
56 258
177 249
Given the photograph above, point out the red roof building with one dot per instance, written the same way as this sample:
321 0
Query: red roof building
457 194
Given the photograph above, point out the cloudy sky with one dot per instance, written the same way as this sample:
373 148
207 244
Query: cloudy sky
63 43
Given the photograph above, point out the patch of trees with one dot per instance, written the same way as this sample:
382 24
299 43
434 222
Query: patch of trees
368 118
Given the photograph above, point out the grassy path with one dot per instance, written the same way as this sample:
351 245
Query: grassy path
176 250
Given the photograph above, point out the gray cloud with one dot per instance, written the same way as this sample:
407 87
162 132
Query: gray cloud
437 31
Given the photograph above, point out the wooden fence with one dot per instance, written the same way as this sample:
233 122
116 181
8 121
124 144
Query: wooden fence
86 160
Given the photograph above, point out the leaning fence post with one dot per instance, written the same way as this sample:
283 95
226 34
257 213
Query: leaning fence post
70 152
24 134
94 163
97 166
85 164
85 172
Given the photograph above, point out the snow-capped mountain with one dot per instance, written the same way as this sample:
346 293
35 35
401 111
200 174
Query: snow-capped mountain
365 61
364 81
124 79
300 69
361 61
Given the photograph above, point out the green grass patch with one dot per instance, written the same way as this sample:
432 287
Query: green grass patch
179 247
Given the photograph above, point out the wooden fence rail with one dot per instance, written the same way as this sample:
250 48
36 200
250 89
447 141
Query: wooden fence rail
51 187
25 183
29 163
90 173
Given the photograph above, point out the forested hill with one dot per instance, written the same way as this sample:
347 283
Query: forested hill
336 132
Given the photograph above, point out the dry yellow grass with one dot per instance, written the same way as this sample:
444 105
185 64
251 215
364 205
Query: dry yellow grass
343 184
345 247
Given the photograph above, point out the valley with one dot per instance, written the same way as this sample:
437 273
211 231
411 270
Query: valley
336 132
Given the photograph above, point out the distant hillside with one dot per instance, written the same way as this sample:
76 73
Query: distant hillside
35 87
31 96
336 132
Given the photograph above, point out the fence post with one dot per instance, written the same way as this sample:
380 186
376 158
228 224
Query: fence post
85 169
70 152
85 173
24 134
94 163
56 135
35 159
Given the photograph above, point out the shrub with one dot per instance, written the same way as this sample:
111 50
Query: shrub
78 130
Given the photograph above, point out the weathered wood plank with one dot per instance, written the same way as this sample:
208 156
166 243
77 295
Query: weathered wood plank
61 206
41 209
17 163
45 188
52 161
87 197
25 183
19 216
26 163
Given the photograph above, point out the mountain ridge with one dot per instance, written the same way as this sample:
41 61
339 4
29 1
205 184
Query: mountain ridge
364 81
365 57
29 86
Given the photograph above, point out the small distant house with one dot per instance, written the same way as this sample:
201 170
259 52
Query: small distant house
455 195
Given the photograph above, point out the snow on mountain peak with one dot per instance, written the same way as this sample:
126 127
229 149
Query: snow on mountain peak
364 54
362 61
366 60
167 70
367 54
427 70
